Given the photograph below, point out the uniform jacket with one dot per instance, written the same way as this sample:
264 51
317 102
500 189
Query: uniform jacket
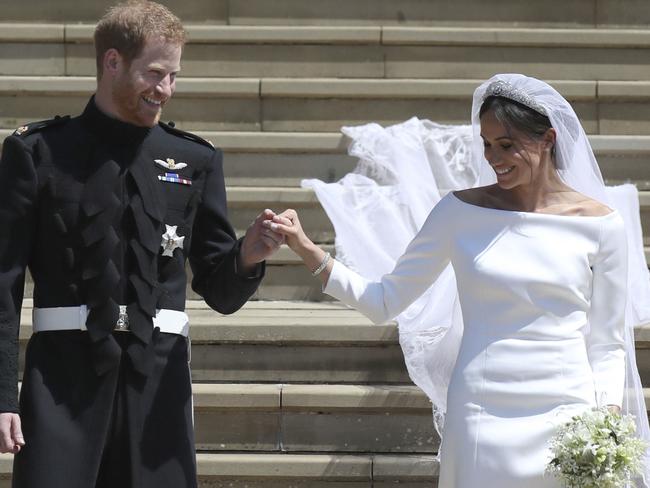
84 203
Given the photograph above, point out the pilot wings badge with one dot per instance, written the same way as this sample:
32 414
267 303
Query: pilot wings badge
169 163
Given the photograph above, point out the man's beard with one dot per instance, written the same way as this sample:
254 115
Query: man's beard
126 100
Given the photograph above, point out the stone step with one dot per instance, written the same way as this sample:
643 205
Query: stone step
313 418
264 470
302 342
582 13
281 159
463 12
322 104
353 52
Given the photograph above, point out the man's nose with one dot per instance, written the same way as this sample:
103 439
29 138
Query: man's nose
166 86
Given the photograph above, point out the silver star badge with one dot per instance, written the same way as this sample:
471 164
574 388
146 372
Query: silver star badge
171 240
169 163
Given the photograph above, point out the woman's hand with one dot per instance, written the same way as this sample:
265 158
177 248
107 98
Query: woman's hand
614 409
288 224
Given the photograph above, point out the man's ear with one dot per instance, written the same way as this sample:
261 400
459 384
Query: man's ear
112 62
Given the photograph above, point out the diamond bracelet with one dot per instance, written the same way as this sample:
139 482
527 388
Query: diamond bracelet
323 265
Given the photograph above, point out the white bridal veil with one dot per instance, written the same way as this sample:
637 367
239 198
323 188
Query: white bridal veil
405 169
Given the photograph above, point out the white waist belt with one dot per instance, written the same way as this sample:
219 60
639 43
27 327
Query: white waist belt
74 318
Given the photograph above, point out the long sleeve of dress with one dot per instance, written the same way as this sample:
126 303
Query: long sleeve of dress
18 190
214 249
605 339
425 258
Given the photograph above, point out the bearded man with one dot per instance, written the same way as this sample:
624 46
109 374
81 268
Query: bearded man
104 209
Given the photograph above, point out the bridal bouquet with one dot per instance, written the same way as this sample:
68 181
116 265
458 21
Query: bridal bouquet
597 449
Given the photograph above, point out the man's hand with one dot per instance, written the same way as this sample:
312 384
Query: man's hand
287 224
259 243
11 435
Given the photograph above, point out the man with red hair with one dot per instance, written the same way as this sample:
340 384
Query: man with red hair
104 209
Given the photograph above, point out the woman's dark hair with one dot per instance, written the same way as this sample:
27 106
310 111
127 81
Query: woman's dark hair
514 115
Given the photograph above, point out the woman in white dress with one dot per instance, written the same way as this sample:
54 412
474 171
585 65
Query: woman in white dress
541 272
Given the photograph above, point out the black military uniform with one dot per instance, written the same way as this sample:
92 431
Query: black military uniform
84 203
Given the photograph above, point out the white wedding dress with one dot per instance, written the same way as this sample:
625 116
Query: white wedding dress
529 284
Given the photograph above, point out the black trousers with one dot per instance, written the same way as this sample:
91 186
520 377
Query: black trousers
119 430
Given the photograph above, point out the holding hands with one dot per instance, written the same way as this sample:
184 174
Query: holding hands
287 224
259 243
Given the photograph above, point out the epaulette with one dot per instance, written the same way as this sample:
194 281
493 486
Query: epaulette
171 128
25 130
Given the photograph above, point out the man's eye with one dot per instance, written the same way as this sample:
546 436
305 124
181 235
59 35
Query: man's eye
506 146
486 144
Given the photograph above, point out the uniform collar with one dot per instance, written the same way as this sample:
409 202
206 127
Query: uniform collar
108 127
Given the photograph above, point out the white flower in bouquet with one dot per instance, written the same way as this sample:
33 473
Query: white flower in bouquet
597 449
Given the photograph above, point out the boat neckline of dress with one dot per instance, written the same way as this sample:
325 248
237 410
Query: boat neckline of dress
523 212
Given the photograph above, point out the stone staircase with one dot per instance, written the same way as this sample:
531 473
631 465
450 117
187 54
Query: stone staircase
300 391
463 13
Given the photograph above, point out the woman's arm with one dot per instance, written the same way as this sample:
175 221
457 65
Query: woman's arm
288 224
422 262
606 337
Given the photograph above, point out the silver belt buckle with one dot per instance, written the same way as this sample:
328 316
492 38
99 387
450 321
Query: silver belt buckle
122 324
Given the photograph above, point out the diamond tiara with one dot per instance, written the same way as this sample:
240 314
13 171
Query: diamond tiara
504 89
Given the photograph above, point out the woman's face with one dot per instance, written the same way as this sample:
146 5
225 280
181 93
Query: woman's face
515 158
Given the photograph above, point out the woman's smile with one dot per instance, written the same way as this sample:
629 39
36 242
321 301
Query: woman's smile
503 171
